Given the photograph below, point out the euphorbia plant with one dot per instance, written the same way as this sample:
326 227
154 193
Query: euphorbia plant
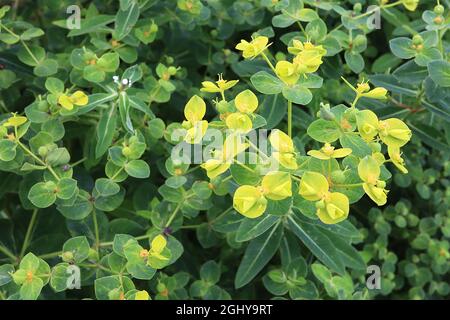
137 156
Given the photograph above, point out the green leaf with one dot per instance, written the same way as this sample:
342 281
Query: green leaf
58 156
31 290
443 112
354 60
5 274
124 111
427 55
349 255
55 128
46 68
318 244
273 109
109 62
107 287
138 169
252 228
258 254
43 194
125 20
266 83
59 277
356 143
105 131
54 85
297 94
106 187
324 131
32 33
7 150
120 240
66 189
78 209
210 272
79 247
440 72
402 48
94 23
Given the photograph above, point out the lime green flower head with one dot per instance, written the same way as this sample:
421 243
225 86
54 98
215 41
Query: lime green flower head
158 244
246 101
239 122
313 186
215 167
254 48
287 72
249 201
223 158
309 57
78 98
410 5
284 149
15 121
367 122
369 172
363 90
142 295
220 85
334 208
327 152
396 158
281 142
194 111
394 132
277 185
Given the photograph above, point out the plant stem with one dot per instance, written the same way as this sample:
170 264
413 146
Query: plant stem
222 214
289 111
8 253
352 185
172 217
97 235
268 62
26 241
50 255
49 168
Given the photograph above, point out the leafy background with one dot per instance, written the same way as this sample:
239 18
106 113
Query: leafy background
408 238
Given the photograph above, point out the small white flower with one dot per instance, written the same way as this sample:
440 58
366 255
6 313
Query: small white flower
125 82
116 79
